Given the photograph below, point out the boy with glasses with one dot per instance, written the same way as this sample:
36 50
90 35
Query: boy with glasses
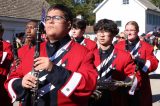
66 74
112 65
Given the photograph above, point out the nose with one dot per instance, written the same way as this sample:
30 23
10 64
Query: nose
51 20
28 30
73 31
101 34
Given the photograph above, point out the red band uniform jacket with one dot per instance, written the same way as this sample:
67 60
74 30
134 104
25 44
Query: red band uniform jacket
6 58
71 81
124 67
144 52
21 53
89 44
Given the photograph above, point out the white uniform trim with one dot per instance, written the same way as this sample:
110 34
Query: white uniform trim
146 66
42 91
61 50
72 84
3 57
83 43
11 91
43 78
137 45
134 85
105 61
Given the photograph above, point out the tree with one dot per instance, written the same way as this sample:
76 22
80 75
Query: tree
156 3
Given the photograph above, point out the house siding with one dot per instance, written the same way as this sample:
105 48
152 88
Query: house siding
117 11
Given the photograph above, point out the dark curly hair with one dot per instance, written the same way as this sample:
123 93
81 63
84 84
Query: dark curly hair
107 26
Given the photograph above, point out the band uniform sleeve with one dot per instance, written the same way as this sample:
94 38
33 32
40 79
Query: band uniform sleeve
13 85
9 57
57 71
83 81
151 62
1 50
129 67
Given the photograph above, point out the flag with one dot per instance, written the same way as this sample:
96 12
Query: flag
42 24
43 14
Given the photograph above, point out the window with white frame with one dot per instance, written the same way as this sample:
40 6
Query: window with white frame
125 1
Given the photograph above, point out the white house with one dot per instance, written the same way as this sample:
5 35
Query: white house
14 14
121 11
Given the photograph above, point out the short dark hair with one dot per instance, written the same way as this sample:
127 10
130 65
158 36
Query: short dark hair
67 12
34 21
107 26
79 23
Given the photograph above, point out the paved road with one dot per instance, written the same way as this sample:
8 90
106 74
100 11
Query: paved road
155 85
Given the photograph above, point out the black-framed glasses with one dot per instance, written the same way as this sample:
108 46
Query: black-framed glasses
55 18
122 37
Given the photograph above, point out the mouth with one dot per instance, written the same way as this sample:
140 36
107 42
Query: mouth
50 27
30 37
101 39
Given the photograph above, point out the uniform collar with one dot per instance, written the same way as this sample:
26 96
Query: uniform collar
60 42
79 40
134 42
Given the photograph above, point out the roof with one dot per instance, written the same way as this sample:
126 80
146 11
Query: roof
146 3
149 5
99 6
25 9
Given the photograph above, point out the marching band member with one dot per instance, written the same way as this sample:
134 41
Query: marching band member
6 58
78 30
142 54
67 75
112 65
30 33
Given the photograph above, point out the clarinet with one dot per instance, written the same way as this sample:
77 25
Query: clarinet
16 61
15 53
36 72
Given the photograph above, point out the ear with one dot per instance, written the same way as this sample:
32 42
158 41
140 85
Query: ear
69 25
44 27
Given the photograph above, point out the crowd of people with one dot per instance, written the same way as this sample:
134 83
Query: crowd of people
152 38
72 70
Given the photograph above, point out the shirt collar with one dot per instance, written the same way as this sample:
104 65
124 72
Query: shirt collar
61 42
79 40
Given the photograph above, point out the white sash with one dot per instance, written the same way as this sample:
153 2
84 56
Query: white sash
135 48
103 63
45 89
